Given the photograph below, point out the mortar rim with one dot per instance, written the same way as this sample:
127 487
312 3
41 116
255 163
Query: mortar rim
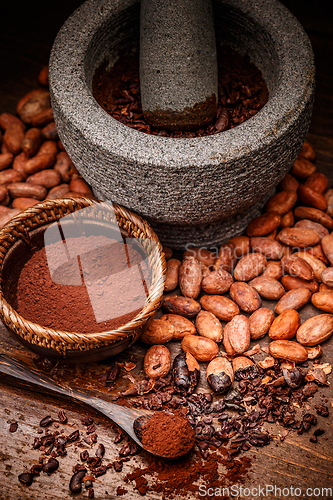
69 90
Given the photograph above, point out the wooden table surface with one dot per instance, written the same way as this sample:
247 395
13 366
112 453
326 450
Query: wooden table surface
26 35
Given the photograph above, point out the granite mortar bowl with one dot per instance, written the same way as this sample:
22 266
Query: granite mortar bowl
197 191
27 229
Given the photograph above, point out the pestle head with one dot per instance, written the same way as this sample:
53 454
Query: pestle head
178 64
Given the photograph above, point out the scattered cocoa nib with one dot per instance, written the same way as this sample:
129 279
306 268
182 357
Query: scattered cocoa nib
317 432
322 410
308 421
86 421
36 469
100 471
13 427
73 437
62 417
75 484
26 478
94 462
100 451
118 466
91 429
46 421
50 466
238 99
310 389
84 455
108 378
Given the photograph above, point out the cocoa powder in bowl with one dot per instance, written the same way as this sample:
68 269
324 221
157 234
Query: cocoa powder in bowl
86 284
168 435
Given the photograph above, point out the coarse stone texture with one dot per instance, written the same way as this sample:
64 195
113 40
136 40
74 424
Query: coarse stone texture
189 190
178 63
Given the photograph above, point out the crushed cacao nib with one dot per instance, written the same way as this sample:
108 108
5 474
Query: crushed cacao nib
242 92
62 417
26 478
118 466
73 437
322 410
13 427
86 421
109 377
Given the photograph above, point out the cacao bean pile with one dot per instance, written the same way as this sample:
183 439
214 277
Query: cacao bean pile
285 255
34 165
213 305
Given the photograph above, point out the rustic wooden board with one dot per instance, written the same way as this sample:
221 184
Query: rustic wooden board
25 40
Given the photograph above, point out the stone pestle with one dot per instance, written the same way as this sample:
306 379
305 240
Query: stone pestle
178 63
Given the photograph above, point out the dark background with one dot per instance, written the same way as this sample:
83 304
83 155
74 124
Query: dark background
28 29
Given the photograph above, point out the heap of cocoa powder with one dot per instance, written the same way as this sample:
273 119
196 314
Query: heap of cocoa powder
168 434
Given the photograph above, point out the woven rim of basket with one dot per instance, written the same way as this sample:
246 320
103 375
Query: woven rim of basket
52 210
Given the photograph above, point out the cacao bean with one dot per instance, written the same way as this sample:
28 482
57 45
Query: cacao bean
298 237
157 332
239 333
288 183
209 326
268 247
202 348
315 215
281 202
157 362
323 301
220 375
285 326
242 245
294 299
217 282
190 277
268 288
171 276
309 224
246 297
263 224
289 350
290 282
182 306
222 307
318 182
250 266
297 267
303 168
260 322
311 198
226 259
182 326
202 254
186 373
315 330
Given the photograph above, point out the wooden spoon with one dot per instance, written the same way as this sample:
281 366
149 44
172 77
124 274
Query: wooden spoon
129 419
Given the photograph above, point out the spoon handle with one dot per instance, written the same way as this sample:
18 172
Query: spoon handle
32 379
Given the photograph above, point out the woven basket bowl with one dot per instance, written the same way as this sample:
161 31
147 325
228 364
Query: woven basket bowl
76 346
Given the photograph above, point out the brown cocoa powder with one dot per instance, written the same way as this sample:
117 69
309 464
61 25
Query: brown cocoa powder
177 478
68 307
168 434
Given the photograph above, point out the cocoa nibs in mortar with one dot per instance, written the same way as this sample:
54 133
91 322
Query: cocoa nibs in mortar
168 434
56 303
242 93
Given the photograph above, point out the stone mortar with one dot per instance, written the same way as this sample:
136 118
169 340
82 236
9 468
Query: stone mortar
192 191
